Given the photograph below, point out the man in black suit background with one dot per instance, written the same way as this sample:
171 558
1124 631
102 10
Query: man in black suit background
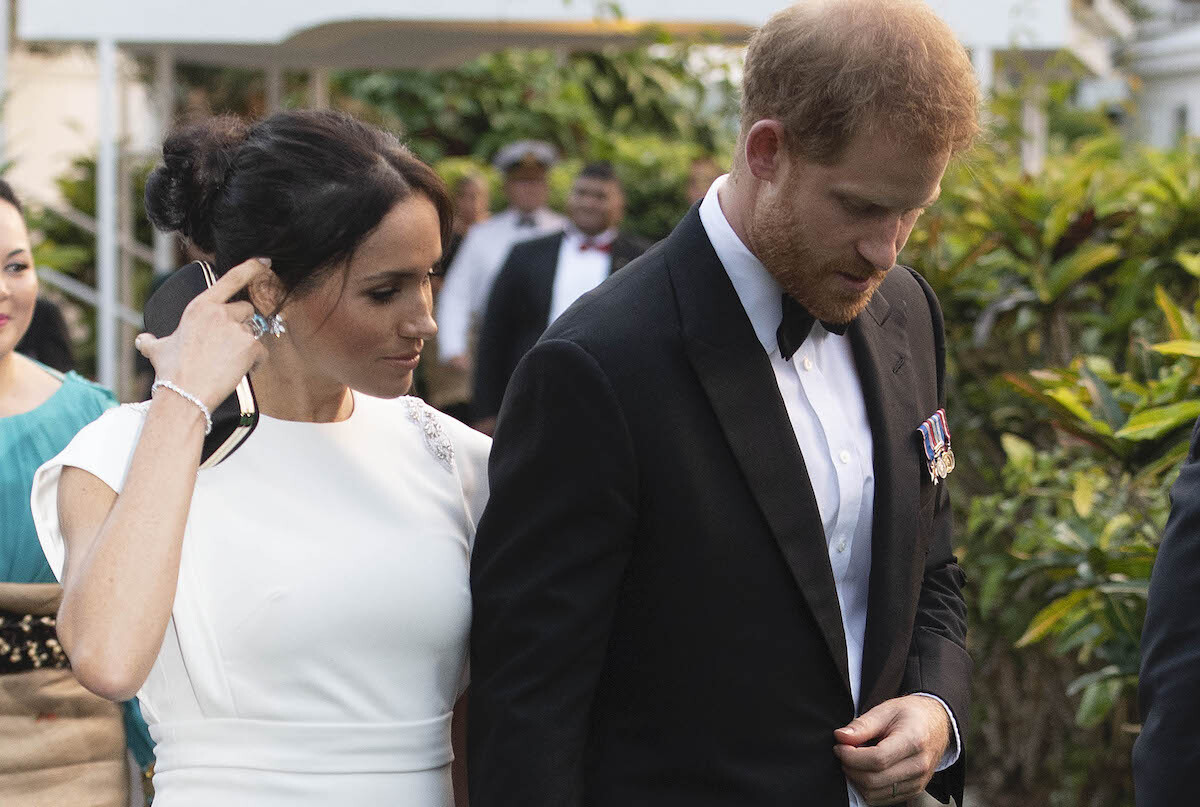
1166 757
716 567
541 278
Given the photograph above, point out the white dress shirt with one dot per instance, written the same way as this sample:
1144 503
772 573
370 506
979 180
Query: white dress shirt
824 401
469 280
579 270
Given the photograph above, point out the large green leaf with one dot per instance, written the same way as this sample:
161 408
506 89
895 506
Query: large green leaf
1051 615
1078 265
1154 423
1179 347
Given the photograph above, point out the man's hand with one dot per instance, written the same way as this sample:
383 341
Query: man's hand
911 735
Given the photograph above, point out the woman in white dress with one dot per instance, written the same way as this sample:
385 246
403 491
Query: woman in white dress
295 619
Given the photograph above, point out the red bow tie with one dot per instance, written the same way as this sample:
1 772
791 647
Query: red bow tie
590 243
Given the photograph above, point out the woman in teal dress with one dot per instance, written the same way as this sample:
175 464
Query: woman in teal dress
62 745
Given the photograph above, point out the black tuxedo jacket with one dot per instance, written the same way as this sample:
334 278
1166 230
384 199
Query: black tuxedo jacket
518 311
1166 756
656 622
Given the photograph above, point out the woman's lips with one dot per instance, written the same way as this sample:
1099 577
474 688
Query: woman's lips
4 318
408 362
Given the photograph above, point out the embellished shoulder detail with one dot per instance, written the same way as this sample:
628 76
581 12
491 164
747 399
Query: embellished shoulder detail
436 440
141 406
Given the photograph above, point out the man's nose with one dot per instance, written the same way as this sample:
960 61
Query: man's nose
881 246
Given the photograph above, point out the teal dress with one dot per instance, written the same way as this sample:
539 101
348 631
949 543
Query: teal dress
26 441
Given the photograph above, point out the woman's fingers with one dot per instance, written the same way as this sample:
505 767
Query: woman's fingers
235 280
144 343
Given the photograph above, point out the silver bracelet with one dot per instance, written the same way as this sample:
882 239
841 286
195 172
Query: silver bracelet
187 396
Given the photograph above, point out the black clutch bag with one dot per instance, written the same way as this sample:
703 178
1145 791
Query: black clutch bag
237 415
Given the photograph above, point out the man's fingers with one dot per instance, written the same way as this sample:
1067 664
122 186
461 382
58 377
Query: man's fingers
866 727
890 751
904 790
912 768
236 279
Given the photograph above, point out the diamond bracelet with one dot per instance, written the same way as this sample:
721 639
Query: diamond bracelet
187 396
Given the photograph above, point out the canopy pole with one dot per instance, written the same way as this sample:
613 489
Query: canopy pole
318 88
164 115
274 77
106 216
5 26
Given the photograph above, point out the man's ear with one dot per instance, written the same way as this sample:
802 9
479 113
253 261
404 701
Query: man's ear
765 149
266 293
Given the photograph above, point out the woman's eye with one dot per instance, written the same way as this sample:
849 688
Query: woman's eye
16 267
381 295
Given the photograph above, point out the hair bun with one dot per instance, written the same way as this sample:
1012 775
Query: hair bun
197 162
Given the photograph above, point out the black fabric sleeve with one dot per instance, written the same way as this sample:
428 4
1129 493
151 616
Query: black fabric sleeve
1167 753
549 558
938 661
494 357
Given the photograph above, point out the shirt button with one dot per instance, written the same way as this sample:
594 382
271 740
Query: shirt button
841 547
807 363
844 457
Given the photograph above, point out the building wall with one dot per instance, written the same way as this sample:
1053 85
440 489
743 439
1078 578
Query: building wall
51 115
1169 106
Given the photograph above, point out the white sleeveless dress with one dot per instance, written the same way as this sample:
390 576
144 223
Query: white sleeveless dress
318 640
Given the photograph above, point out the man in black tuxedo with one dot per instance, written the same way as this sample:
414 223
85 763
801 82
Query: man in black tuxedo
541 278
716 568
1166 756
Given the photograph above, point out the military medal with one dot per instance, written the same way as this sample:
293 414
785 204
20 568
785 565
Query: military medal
935 439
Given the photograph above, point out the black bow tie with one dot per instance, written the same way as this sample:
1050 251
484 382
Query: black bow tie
796 325
526 220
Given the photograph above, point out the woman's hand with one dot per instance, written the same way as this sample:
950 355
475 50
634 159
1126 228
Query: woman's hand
213 347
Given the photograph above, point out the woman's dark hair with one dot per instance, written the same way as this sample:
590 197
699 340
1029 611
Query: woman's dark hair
303 188
10 196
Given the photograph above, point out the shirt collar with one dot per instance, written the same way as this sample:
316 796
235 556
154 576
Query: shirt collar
576 237
759 292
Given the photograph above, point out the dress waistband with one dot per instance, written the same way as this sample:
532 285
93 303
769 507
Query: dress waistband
276 745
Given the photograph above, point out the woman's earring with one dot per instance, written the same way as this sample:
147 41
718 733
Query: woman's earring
276 326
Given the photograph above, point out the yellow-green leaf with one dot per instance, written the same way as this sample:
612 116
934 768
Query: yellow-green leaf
1070 400
1154 423
1018 451
1115 525
1171 311
1051 615
1084 494
1179 347
1190 261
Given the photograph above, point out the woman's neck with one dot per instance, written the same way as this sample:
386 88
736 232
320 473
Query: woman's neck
23 385
285 391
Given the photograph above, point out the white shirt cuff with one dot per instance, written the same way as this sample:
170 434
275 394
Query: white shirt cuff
955 750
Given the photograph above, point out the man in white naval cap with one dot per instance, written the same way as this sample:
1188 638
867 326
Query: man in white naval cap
469 279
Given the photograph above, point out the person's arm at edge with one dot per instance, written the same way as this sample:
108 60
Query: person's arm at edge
549 558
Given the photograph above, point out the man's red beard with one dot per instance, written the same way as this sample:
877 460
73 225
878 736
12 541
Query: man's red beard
811 281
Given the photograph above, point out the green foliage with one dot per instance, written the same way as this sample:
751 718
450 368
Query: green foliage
1074 356
576 102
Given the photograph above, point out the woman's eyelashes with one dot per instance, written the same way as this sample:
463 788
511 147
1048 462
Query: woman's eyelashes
384 294
16 267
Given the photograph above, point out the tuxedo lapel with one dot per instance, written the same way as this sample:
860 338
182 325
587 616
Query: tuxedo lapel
881 353
542 271
740 385
623 251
